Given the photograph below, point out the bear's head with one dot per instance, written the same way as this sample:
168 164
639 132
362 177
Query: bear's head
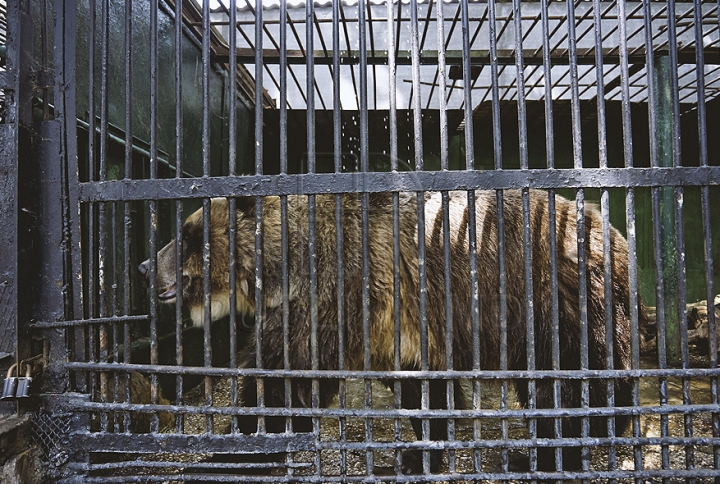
192 261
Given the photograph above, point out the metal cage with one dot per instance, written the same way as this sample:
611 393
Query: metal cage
364 241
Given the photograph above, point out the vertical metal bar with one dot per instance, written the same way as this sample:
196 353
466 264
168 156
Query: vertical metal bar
605 215
312 249
284 211
259 310
392 121
495 91
179 418
283 86
258 89
552 222
114 312
600 85
232 92
682 296
417 128
205 58
580 205
310 74
207 287
337 155
154 424
232 205
417 107
527 242
472 224
286 302
497 150
467 96
127 209
178 91
92 20
104 66
630 221
634 309
655 195
442 81
583 301
65 111
153 87
128 90
283 67
680 343
114 309
712 321
91 332
207 309
43 56
449 329
520 77
661 317
608 296
284 217
365 207
102 215
705 213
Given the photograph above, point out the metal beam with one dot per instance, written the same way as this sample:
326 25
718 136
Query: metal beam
319 183
455 57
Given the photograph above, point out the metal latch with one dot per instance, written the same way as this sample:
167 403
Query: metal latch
24 382
19 386
10 385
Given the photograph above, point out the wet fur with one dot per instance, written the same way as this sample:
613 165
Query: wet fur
381 304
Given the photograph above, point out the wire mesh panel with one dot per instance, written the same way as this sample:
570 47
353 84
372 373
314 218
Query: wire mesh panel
398 242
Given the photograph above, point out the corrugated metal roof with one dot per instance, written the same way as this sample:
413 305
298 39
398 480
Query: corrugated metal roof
535 76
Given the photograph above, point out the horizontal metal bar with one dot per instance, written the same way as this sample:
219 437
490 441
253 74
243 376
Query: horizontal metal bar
472 444
400 375
319 183
450 477
455 57
386 413
381 20
81 322
146 464
201 443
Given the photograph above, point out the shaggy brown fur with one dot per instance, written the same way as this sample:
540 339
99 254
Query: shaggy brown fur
381 303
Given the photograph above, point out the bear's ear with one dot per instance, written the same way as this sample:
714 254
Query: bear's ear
246 205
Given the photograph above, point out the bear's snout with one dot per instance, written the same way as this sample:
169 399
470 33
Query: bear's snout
144 268
168 290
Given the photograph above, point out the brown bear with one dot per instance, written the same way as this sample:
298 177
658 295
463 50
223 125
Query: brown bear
486 339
